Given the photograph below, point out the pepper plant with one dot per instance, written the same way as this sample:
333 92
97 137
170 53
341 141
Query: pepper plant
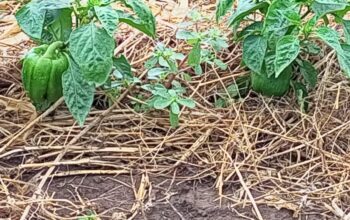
76 52
280 37
163 63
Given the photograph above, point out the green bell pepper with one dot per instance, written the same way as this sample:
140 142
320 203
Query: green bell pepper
42 73
271 86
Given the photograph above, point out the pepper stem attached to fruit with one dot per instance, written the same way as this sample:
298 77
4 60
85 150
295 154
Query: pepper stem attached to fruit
52 48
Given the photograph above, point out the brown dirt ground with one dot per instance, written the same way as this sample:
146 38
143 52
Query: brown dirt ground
168 199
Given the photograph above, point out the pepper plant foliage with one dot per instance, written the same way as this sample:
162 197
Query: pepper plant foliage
285 36
86 31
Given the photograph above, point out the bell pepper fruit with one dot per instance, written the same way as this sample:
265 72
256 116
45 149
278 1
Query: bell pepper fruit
42 73
271 86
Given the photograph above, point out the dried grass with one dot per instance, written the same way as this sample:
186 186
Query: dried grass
277 155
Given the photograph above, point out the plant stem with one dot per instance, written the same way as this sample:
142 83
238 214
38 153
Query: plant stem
76 17
172 76
306 13
52 48
325 19
168 83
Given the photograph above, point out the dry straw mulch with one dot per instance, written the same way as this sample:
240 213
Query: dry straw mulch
268 148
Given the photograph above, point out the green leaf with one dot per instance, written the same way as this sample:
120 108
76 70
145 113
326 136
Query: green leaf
243 84
310 25
155 73
34 17
55 4
346 26
31 18
145 21
93 3
322 7
220 103
157 90
177 56
270 63
122 67
341 13
301 95
218 44
233 90
198 69
108 18
162 93
220 64
148 87
136 23
287 49
162 62
174 119
150 63
256 26
186 102
161 103
187 77
344 59
78 94
186 35
159 86
222 7
254 49
92 48
293 17
195 15
309 73
172 93
244 8
276 24
194 57
310 47
178 88
175 108
330 36
239 88
61 26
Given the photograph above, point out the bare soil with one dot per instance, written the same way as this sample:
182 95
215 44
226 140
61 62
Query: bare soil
113 196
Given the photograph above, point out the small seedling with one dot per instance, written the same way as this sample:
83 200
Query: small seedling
171 99
164 61
90 215
236 90
205 44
